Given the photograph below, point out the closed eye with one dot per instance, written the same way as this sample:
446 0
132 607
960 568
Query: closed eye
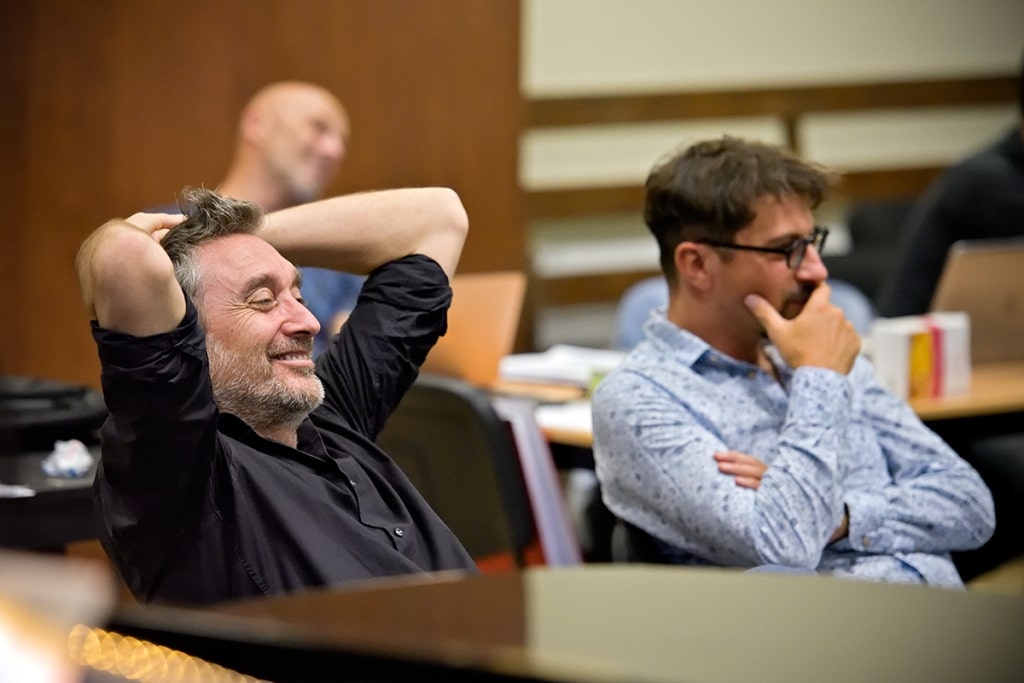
263 300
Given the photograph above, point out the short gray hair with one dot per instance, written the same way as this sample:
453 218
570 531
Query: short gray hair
208 216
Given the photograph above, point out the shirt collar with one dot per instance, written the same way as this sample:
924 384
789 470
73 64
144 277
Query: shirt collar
690 349
671 339
310 445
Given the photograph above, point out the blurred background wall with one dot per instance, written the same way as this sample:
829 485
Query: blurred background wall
887 91
112 105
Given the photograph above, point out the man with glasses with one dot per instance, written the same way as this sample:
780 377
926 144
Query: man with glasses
745 430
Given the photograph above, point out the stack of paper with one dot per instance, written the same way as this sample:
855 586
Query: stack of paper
574 416
561 364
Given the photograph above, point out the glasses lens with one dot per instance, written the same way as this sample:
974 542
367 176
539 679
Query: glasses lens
819 236
799 248
796 254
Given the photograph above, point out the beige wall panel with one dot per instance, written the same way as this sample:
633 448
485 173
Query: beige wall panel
586 156
575 47
901 139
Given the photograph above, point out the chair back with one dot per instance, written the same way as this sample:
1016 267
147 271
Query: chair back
460 455
632 544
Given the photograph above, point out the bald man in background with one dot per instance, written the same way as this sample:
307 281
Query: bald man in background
292 139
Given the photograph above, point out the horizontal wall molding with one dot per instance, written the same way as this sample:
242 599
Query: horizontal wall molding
785 102
868 185
589 289
584 201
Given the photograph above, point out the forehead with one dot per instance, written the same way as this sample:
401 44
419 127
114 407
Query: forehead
309 103
777 216
229 264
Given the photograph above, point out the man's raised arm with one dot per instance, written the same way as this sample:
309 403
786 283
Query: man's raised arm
358 232
126 277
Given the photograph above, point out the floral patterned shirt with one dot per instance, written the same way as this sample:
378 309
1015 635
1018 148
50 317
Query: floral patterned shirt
831 442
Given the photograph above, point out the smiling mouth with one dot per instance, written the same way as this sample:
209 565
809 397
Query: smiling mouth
292 356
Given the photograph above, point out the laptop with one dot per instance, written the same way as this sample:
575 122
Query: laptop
985 279
482 324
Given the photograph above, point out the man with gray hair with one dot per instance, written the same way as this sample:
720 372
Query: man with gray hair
232 466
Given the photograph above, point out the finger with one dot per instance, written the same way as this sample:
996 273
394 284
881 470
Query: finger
730 455
763 311
741 469
748 482
820 297
151 222
736 456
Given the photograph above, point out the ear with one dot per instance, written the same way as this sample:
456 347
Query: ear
692 265
253 125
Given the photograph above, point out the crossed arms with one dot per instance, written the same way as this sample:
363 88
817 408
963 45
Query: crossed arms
740 471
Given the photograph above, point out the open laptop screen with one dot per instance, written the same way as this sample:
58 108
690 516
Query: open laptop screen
985 279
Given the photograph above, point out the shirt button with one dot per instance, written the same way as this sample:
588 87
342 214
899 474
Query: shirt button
399 532
866 542
352 483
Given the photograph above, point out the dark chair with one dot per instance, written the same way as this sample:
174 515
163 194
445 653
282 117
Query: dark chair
876 230
466 461
632 544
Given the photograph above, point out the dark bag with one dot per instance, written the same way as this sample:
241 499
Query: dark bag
36 412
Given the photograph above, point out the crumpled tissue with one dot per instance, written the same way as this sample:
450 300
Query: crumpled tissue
15 491
69 459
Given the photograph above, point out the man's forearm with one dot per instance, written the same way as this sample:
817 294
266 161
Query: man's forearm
358 232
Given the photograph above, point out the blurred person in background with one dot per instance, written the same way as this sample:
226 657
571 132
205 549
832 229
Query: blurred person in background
292 139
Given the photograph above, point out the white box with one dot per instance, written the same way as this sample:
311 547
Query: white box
923 355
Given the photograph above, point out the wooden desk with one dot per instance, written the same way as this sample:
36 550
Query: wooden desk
577 438
996 389
608 623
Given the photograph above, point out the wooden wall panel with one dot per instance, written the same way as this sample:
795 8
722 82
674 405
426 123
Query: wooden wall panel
114 105
13 122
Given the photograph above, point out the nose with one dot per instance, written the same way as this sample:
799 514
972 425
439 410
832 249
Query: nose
332 147
812 268
299 321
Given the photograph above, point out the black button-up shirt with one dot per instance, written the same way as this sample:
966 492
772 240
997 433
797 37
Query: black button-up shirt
196 507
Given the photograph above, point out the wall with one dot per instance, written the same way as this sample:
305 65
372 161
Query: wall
578 47
113 105
639 47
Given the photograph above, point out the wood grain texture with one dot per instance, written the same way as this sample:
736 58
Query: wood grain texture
112 106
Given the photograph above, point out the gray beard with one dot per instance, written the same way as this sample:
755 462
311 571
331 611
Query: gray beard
250 391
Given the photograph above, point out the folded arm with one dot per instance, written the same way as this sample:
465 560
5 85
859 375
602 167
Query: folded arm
656 459
359 232
934 501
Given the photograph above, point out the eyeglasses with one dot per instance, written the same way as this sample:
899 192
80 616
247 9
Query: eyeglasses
794 253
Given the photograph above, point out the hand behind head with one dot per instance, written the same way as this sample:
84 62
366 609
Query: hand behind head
156 224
